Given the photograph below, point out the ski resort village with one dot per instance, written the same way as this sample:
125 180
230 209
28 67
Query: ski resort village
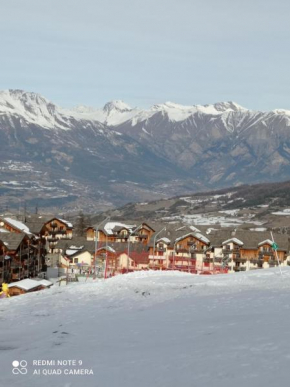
37 252
143 303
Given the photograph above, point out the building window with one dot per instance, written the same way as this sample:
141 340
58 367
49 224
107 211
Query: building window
76 260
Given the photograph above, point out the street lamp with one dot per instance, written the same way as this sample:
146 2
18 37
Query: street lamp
154 241
96 242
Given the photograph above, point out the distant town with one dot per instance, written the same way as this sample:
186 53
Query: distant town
35 250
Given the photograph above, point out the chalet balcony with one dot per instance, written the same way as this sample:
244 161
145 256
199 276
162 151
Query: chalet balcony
196 249
266 253
53 224
16 264
142 236
239 259
54 231
52 239
122 236
156 257
25 252
181 250
190 243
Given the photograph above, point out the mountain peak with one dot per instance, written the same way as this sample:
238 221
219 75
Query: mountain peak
23 97
32 107
117 105
229 105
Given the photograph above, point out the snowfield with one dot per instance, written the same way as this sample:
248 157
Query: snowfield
152 329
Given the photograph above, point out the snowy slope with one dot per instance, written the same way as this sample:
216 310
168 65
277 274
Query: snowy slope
153 329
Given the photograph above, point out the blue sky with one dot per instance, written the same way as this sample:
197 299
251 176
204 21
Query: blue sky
146 52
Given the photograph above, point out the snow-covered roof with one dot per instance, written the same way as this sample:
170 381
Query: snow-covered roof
45 282
109 226
195 235
201 237
26 284
233 240
3 230
108 248
69 224
73 247
71 252
165 240
17 224
194 229
266 242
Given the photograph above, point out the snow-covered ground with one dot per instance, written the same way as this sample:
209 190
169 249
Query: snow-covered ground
152 329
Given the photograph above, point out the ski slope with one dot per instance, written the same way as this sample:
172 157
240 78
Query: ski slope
153 329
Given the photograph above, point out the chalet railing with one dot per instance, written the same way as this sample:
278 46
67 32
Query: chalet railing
266 253
57 231
51 239
239 259
233 250
181 250
26 251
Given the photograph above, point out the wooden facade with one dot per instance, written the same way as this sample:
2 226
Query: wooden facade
56 229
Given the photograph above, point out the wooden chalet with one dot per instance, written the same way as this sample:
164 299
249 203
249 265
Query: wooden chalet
14 225
56 229
21 257
27 286
117 232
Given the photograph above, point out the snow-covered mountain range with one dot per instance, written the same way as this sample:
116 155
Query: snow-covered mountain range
121 153
35 109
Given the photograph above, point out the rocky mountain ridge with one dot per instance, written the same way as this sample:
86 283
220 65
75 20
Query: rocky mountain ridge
99 158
